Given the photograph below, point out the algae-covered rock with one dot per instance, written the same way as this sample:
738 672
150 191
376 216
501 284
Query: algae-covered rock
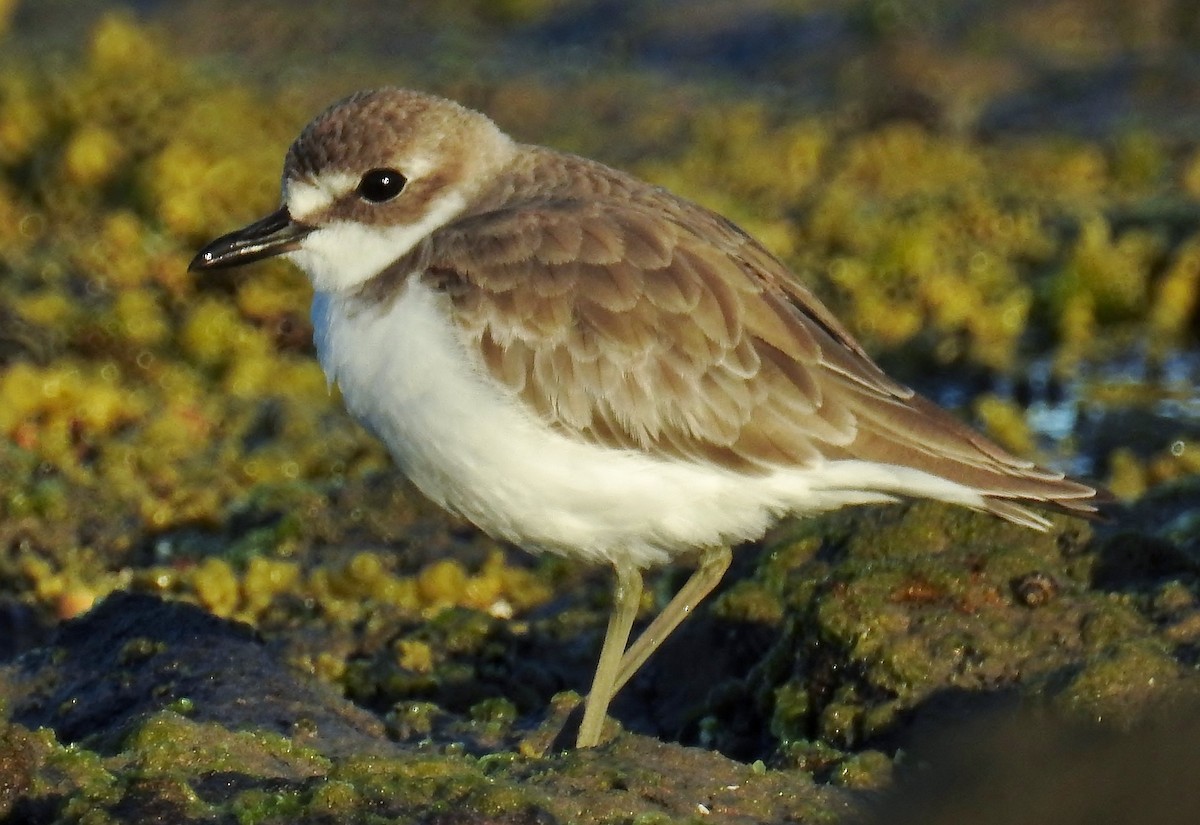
166 434
147 708
891 613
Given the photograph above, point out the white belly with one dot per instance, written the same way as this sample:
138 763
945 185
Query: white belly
473 448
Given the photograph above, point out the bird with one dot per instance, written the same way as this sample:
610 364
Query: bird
583 363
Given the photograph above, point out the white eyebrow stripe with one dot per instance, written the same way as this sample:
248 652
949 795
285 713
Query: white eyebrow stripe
305 198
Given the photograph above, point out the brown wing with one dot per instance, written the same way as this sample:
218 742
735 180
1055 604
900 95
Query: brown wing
670 331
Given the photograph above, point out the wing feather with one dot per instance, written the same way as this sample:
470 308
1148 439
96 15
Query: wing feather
631 319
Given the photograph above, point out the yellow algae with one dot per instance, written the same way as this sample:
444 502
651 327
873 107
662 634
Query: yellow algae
63 403
322 588
7 7
214 334
21 388
1176 298
484 590
216 586
1127 478
13 213
193 503
1189 177
364 570
119 45
270 295
70 585
48 307
167 268
92 156
328 667
400 592
39 572
1180 458
736 153
903 159
119 254
1003 229
1063 170
103 408
1114 271
327 590
878 312
442 583
23 122
176 429
343 592
1077 326
253 372
1139 160
181 207
264 580
520 587
1005 421
181 382
414 655
946 268
302 379
205 332
351 591
141 318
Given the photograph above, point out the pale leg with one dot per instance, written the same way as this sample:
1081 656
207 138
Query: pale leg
627 596
713 564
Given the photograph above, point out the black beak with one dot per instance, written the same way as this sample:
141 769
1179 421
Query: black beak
273 235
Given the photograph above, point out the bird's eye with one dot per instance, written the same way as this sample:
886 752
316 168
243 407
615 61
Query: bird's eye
381 185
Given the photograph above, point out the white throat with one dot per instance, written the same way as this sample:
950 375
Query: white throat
343 255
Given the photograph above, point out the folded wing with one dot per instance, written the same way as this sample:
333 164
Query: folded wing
661 327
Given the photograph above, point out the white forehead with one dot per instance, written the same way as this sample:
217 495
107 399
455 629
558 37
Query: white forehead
308 197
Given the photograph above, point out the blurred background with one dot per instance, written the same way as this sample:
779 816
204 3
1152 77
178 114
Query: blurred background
1002 199
999 198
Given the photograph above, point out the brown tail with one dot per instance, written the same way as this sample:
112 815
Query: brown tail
914 432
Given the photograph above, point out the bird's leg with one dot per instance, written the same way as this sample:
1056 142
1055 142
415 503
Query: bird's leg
617 665
713 564
627 596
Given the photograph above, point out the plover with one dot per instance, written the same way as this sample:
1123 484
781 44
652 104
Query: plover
580 362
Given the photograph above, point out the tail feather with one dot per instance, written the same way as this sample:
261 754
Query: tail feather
1021 513
917 434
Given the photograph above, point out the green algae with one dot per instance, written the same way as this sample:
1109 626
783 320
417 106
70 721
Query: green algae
910 230
167 742
169 762
193 409
177 399
913 602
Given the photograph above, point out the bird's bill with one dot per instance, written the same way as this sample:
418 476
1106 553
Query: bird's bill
273 235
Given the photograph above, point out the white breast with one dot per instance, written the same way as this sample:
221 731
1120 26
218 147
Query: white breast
467 443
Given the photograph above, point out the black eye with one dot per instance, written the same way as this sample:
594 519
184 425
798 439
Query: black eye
380 185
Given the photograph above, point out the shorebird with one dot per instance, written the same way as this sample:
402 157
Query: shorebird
581 362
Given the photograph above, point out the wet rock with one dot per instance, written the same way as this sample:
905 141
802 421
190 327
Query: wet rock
1031 767
175 715
135 655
